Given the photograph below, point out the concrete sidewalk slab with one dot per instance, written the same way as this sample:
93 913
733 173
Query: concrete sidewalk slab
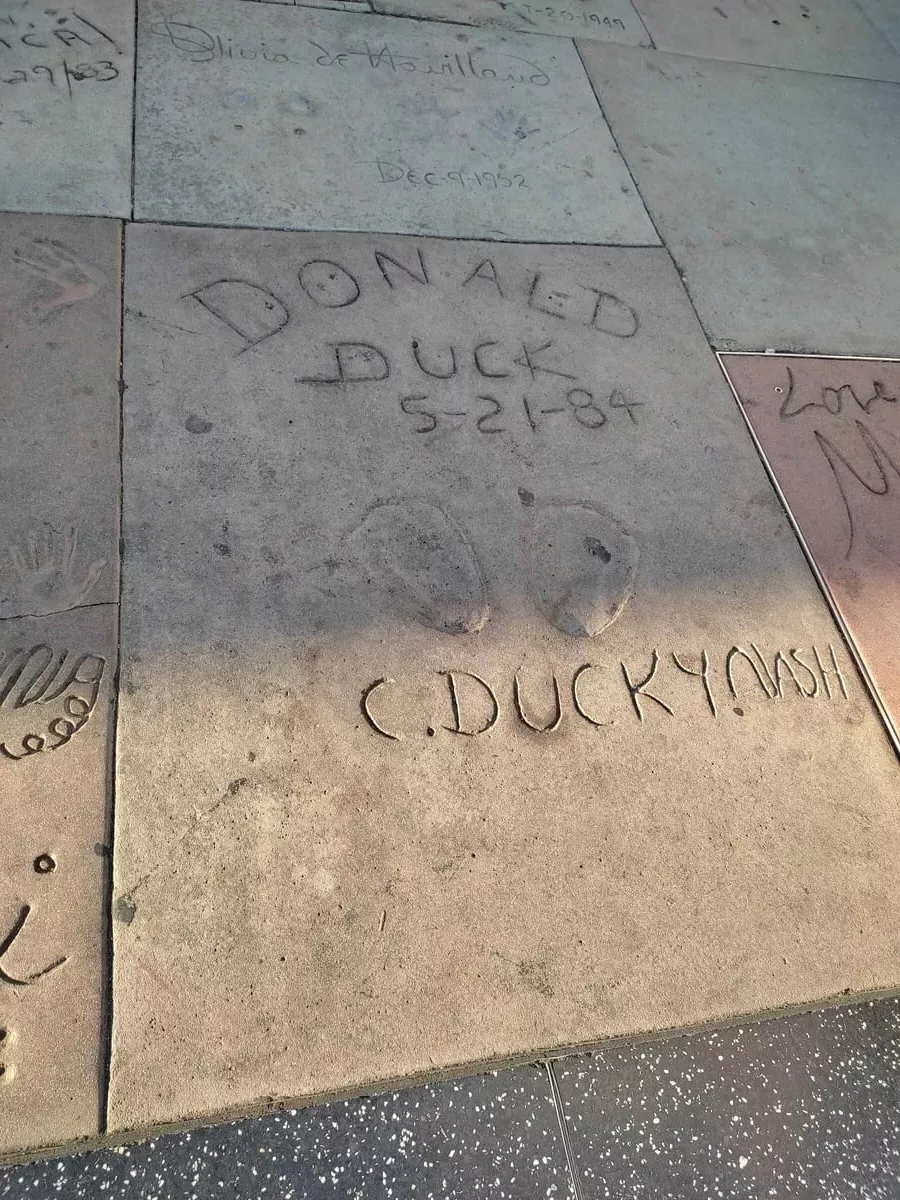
59 420
242 120
419 617
775 190
56 676
66 76
830 36
606 20
829 429
59 442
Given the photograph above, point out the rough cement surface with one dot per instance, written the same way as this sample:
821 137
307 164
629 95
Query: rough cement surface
242 120
55 728
59 420
785 240
834 37
886 16
829 429
606 20
59 440
66 78
386 499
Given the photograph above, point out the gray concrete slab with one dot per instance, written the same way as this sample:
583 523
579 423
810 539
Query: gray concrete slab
59 421
885 15
66 78
775 190
59 469
831 36
606 20
242 120
417 615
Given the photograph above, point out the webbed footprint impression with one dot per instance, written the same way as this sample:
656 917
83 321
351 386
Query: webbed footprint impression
581 566
424 562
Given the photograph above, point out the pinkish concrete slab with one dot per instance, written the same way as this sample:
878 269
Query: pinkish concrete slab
830 429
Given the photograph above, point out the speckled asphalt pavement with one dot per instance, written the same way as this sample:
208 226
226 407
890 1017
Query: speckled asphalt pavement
805 1107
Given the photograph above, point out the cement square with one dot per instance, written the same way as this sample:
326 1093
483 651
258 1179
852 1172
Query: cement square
59 469
477 698
66 75
606 20
775 190
55 735
242 120
834 37
59 416
831 435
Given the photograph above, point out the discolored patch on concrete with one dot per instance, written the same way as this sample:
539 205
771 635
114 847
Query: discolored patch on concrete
242 120
833 37
66 80
470 665
782 241
830 431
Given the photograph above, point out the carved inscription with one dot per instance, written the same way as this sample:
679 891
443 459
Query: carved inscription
646 689
60 49
40 675
531 14
497 180
491 384
862 460
464 67
22 964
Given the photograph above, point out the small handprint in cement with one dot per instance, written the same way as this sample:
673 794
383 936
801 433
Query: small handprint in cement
50 260
48 577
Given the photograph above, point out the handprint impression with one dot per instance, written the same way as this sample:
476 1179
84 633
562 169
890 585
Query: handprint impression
48 259
49 580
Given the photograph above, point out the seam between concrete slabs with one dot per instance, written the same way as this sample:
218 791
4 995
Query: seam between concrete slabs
574 1175
108 1009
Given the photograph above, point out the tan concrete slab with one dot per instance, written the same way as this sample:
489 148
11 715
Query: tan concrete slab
775 190
829 430
66 77
59 312
59 424
606 20
55 735
242 120
384 497
834 37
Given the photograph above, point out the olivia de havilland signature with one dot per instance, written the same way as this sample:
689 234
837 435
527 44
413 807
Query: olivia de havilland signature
197 45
